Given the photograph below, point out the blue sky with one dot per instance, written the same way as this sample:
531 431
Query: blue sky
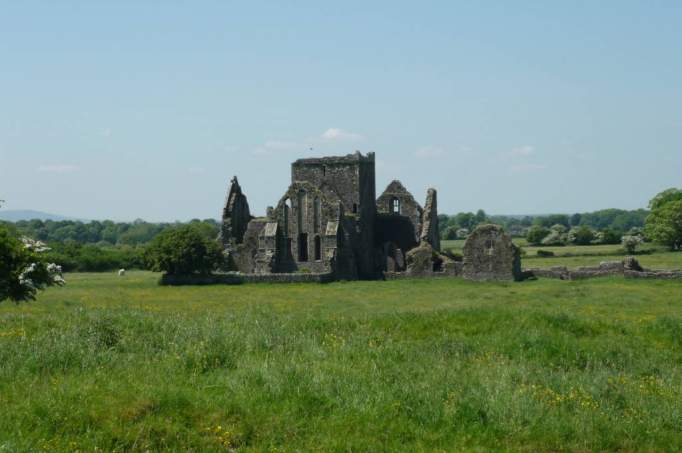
127 109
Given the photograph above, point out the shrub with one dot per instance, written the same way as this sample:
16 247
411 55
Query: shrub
536 234
23 268
74 257
545 253
450 233
557 236
630 243
581 235
183 250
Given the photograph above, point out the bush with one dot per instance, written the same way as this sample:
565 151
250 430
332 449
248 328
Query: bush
545 253
536 234
23 268
556 237
581 235
630 243
74 257
183 250
610 236
450 233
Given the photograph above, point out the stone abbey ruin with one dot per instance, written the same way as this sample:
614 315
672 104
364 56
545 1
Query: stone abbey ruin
330 225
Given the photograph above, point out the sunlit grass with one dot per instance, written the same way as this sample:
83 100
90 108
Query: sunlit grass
123 364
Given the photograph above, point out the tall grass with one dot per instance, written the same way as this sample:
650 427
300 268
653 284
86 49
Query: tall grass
121 364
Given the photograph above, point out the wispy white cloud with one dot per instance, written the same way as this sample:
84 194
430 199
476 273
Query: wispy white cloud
335 134
272 146
331 135
429 152
522 151
527 168
58 168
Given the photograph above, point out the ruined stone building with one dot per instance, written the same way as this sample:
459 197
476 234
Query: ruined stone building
329 220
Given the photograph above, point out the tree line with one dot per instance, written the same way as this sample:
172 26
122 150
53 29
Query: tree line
611 223
103 233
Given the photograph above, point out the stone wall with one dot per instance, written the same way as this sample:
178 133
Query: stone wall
351 180
235 217
430 232
244 255
397 200
238 279
628 267
490 254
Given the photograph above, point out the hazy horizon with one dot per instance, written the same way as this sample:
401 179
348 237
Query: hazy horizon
142 110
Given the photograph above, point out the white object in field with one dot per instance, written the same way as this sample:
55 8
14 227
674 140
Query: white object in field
121 272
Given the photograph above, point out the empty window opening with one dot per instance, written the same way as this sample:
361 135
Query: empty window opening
490 247
318 248
355 208
316 215
287 213
324 170
301 202
303 247
395 206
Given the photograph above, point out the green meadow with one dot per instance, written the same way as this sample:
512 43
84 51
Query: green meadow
112 363
649 255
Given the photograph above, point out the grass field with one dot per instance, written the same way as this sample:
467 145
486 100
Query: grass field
652 256
110 363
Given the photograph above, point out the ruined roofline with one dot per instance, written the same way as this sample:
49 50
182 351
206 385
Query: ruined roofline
330 160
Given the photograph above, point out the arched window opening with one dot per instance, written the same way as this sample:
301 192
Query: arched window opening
316 215
303 247
301 210
318 248
395 206
287 213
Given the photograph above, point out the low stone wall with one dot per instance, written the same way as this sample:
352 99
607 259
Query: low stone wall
290 278
563 273
658 274
404 275
238 279
629 268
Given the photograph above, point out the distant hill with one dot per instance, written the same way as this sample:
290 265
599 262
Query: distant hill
14 215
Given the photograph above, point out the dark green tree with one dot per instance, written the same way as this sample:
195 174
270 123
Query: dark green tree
664 224
183 250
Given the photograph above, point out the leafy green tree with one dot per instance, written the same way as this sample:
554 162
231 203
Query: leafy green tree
480 217
664 224
581 235
664 198
183 250
557 235
553 219
449 233
23 270
575 219
536 234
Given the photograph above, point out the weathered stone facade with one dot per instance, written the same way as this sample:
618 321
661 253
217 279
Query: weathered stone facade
490 254
430 232
330 221
236 215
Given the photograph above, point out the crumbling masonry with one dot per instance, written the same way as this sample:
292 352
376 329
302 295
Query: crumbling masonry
329 220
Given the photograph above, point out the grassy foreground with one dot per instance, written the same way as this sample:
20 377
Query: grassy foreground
109 363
